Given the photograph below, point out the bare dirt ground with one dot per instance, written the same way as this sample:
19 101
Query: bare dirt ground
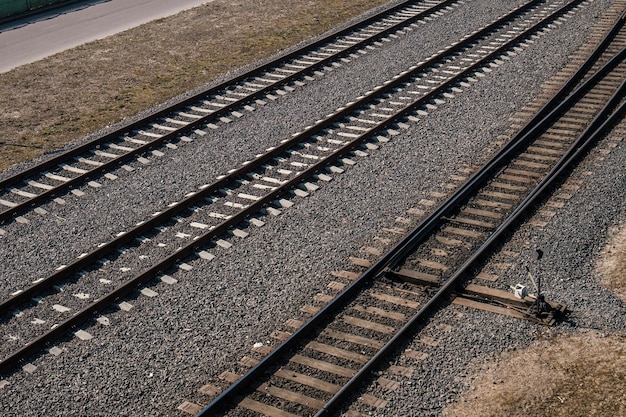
47 104
612 266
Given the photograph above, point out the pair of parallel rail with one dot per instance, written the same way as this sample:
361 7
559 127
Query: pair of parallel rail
205 110
322 366
217 209
314 155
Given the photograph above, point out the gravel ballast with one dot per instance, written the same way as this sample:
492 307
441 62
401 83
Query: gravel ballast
157 355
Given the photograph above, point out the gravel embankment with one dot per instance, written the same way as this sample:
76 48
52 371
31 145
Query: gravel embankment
571 242
157 355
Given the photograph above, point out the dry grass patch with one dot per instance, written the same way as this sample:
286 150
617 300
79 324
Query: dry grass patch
52 102
576 376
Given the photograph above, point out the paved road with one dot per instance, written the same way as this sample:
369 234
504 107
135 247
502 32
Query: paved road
37 37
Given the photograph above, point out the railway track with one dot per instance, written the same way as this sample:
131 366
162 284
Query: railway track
149 137
80 290
320 367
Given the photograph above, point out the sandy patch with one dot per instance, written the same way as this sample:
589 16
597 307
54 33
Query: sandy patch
566 376
612 265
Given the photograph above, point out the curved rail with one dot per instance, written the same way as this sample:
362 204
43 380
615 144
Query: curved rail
603 121
400 251
191 200
206 239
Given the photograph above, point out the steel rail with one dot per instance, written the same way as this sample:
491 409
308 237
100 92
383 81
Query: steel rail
389 260
601 122
191 200
168 137
190 100
150 273
517 142
598 126
578 75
